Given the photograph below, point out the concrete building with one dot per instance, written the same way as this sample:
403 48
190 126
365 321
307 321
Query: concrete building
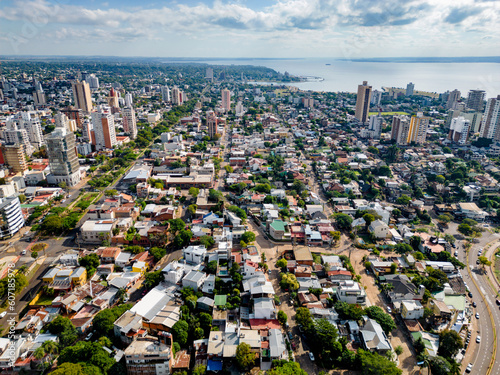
418 129
491 119
363 102
177 97
63 159
129 122
95 231
93 81
459 130
128 100
351 292
104 129
11 217
113 98
15 157
400 129
226 100
374 128
212 124
475 100
148 356
453 99
410 89
165 94
412 310
209 73
39 98
81 96
376 97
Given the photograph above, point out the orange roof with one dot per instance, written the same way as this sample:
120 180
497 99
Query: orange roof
264 324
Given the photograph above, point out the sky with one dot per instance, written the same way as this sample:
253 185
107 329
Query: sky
246 28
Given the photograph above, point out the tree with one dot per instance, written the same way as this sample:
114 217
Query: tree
182 239
34 254
90 262
449 238
483 261
465 229
207 241
103 321
289 281
415 242
192 209
444 219
87 354
450 343
176 225
212 267
281 263
180 332
398 350
52 224
152 279
158 253
381 317
403 200
22 198
375 364
286 368
248 237
369 218
335 234
64 329
440 366
245 358
199 370
111 192
68 369
403 248
440 179
205 322
394 268
348 311
193 191
343 221
282 317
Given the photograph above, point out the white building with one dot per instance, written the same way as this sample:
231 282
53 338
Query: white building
412 310
194 280
12 217
165 94
129 122
195 254
351 292
96 231
379 229
104 129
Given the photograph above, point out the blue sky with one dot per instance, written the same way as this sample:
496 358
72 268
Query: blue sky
245 28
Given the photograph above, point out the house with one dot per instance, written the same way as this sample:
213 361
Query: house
277 347
471 211
373 337
148 355
401 288
128 327
96 231
412 310
194 279
303 256
379 229
205 303
195 254
109 254
351 292
277 229
263 308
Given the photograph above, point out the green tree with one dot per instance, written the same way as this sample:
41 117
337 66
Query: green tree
444 219
34 254
381 317
403 200
207 241
335 234
281 263
375 364
485 262
176 225
403 248
248 237
180 332
194 192
343 221
52 224
111 192
212 267
245 358
450 343
398 350
90 262
289 281
199 370
68 369
158 253
192 209
369 218
440 179
449 238
286 368
152 279
282 317
182 239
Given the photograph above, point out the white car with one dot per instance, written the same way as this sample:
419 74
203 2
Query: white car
23 252
389 310
477 315
3 314
469 368
478 339
311 356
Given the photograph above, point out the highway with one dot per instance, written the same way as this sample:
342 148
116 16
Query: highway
484 295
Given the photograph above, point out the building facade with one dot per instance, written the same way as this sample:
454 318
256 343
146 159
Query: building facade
63 159
363 102
81 96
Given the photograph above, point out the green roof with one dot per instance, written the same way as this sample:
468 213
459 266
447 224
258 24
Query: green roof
458 302
29 205
220 300
278 225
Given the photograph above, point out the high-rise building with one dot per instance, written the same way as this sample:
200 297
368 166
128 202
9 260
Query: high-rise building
113 99
128 100
176 96
375 126
376 97
129 122
363 102
226 100
14 134
33 129
239 109
491 119
409 89
212 121
93 81
104 129
39 98
74 114
209 73
87 132
11 217
453 99
15 157
459 130
81 95
400 129
475 100
165 94
418 129
63 159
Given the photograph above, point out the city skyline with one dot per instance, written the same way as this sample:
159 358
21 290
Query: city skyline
341 29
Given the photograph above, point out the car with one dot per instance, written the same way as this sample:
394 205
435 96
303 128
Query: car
477 261
474 304
478 339
290 336
311 356
469 368
453 246
498 301
3 314
470 294
89 336
456 253
389 310
23 252
477 315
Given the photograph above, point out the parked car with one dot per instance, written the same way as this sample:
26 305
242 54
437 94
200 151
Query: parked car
469 368
290 336
498 301
470 294
478 339
389 310
3 314
23 252
311 356
477 315
474 304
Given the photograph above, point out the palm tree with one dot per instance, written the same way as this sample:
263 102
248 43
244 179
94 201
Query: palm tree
50 347
39 353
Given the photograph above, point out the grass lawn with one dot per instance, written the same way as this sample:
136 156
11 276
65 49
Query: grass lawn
45 300
388 113
89 197
496 266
